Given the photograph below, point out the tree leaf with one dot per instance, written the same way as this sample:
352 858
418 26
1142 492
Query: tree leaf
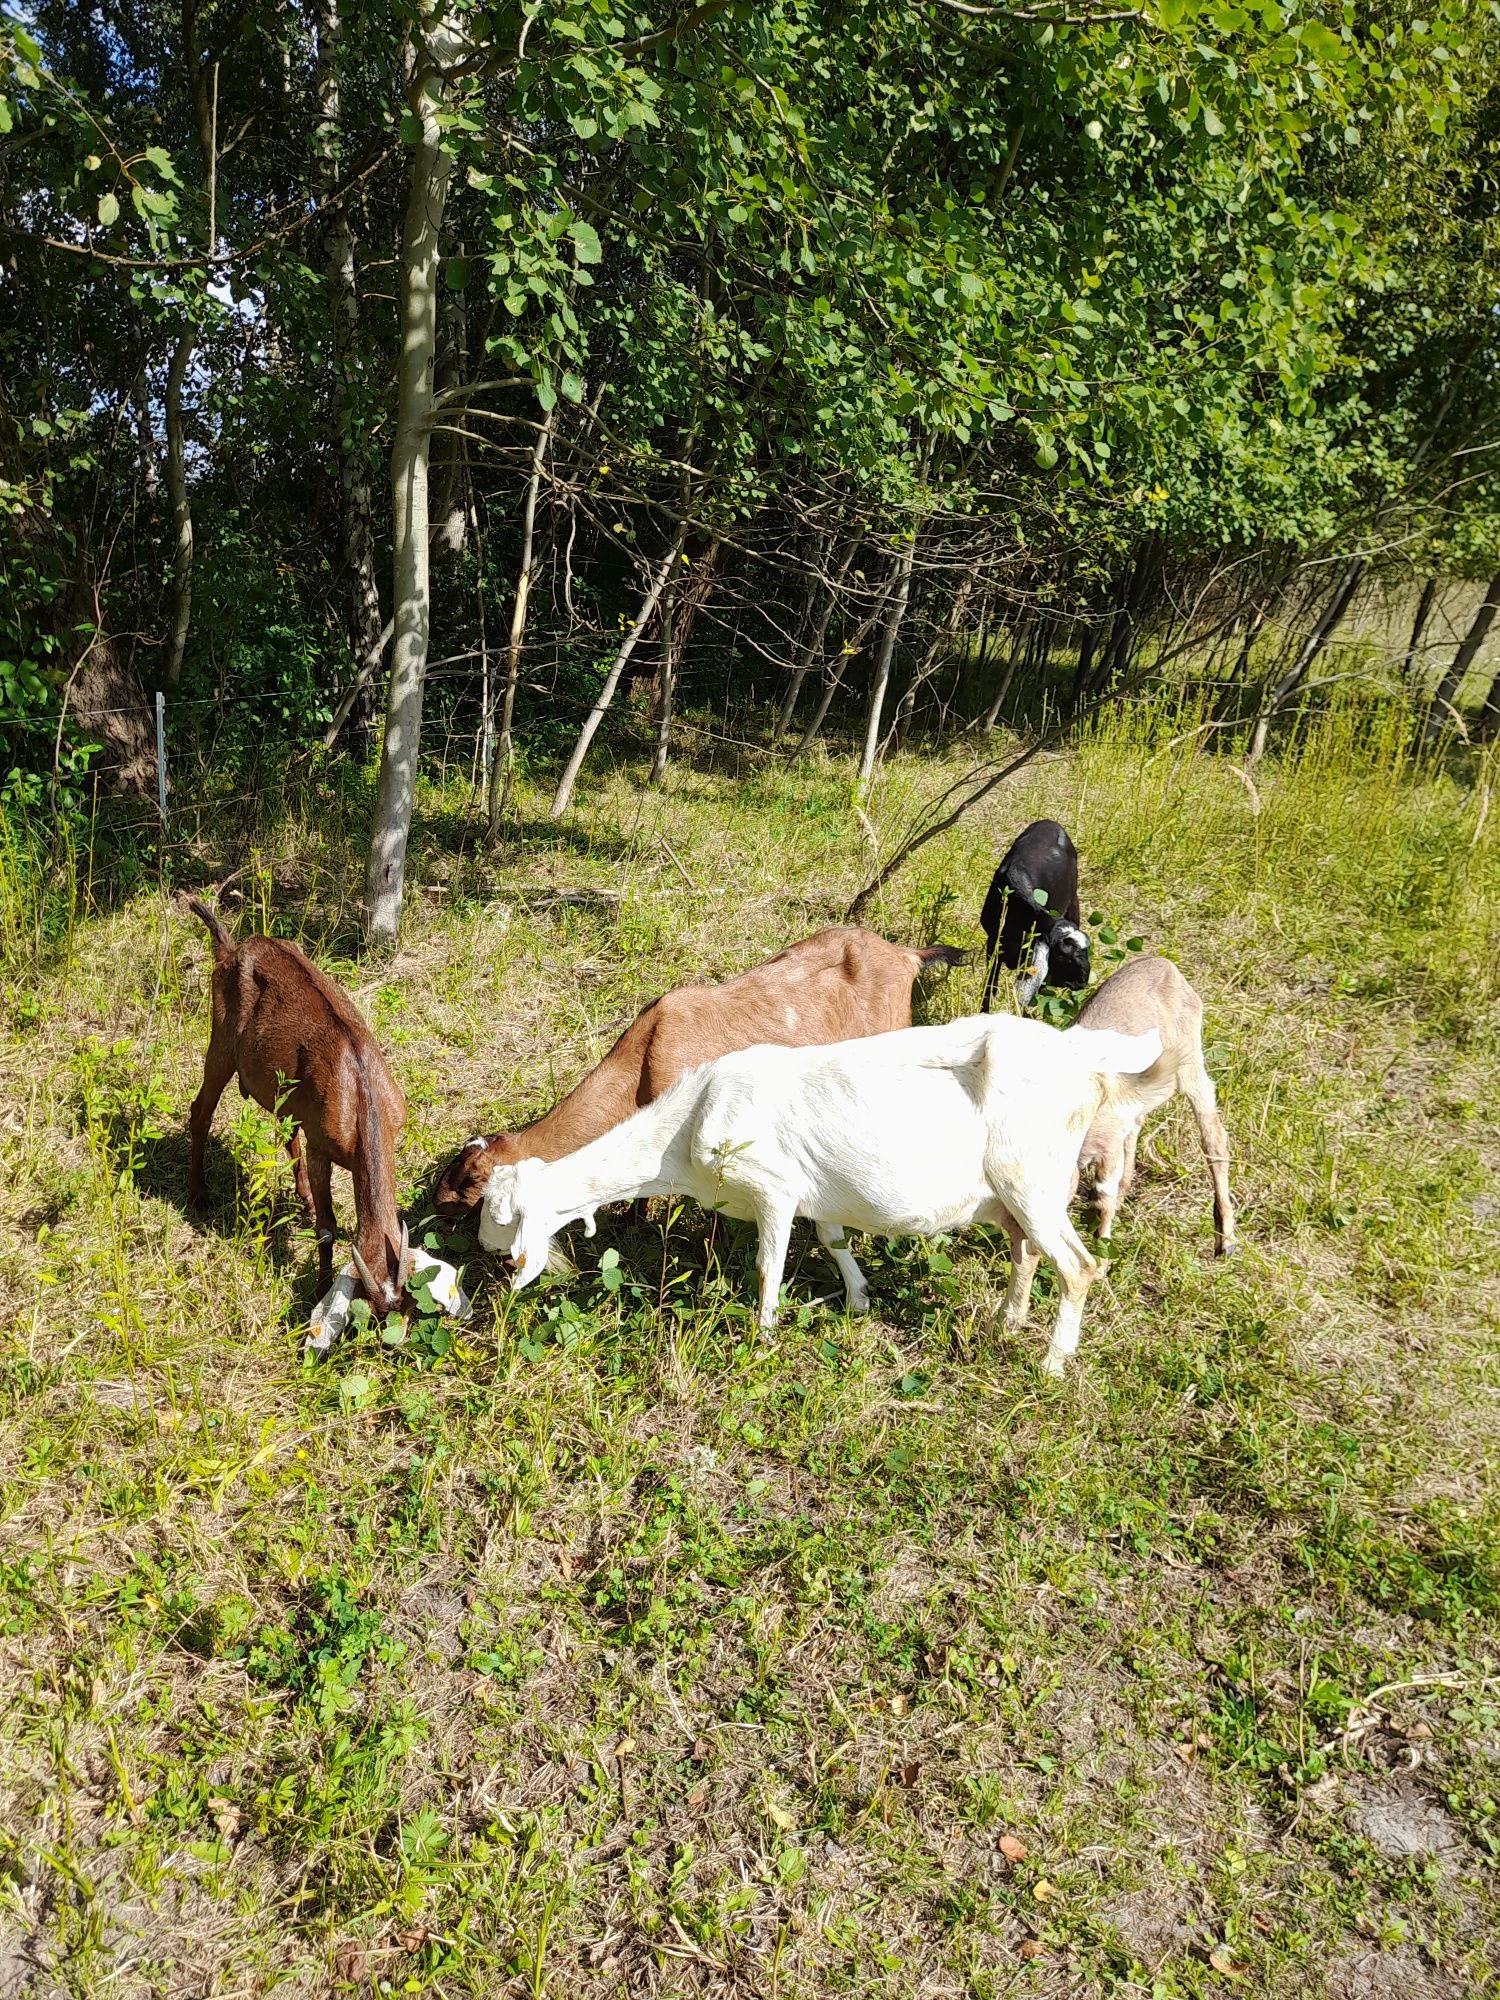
586 245
109 209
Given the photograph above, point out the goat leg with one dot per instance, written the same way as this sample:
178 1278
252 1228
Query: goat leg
1197 1087
299 1175
320 1187
775 1235
856 1291
218 1068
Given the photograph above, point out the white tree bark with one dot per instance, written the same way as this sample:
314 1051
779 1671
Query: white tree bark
395 789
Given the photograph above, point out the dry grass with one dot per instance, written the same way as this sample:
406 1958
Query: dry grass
609 1652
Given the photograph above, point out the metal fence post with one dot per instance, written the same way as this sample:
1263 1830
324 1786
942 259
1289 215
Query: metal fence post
161 758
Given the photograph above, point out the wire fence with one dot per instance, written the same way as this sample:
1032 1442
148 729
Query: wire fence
443 741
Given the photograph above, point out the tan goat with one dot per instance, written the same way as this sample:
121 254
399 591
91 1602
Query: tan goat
832 987
301 1050
1151 993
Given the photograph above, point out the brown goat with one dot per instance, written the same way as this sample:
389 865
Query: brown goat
831 987
300 1049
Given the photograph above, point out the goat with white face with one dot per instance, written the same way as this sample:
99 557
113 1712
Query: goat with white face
1032 910
1151 994
905 1134
826 988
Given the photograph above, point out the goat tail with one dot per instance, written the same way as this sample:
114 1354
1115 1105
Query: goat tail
940 954
1118 1060
223 943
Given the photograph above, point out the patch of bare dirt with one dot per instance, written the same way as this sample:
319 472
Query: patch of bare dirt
1369 1973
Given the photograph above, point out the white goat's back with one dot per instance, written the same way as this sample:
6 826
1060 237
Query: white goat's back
908 1133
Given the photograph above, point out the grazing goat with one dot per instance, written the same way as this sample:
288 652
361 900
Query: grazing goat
1150 993
903 1134
299 1048
1033 901
830 987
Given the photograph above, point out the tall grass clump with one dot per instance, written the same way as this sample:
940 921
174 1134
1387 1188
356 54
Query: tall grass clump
39 888
1345 847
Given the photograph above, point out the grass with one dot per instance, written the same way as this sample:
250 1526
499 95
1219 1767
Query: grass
604 1650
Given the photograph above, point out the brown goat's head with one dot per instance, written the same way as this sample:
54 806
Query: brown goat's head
460 1188
384 1280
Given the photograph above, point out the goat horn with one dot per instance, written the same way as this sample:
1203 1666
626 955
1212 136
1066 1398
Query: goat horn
364 1274
403 1262
1028 988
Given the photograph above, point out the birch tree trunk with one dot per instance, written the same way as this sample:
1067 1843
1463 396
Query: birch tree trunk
503 761
880 678
395 789
356 533
1333 616
1441 708
564 793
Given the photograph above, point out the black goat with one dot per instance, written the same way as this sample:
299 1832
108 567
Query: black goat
1033 900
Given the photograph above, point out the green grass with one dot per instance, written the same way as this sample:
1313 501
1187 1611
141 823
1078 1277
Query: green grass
603 1649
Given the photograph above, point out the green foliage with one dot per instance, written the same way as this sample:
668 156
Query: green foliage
319 1650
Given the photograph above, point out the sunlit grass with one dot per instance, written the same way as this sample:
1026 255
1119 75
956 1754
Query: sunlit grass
612 1650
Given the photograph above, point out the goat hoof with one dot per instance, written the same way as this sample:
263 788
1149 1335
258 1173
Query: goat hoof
1055 1366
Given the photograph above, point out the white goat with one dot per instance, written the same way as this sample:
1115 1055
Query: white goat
902 1134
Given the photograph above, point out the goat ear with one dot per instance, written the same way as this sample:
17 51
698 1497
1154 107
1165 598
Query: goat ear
1028 988
364 1273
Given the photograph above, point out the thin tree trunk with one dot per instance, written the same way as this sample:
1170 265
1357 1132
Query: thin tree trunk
356 532
1020 644
813 649
1489 716
881 675
450 461
595 716
395 790
1333 616
836 679
503 762
145 435
666 681
181 614
1448 687
941 649
680 608
205 100
1419 625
